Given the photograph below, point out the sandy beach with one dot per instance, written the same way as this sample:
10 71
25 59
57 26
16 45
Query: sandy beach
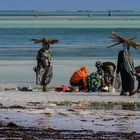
68 114
62 115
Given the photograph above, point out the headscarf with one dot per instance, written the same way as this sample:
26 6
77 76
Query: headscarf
98 64
85 69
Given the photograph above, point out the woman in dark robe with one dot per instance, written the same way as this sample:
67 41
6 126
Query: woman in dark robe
44 69
125 66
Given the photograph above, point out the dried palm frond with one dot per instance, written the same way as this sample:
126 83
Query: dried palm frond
113 45
121 40
45 41
131 39
36 40
53 41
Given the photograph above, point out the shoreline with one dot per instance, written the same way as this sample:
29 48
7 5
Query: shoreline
20 72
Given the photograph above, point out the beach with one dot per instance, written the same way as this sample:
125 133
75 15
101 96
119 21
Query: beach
64 115
68 114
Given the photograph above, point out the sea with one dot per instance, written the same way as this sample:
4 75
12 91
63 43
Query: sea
78 42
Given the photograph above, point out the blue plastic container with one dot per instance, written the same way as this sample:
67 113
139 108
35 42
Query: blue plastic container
95 89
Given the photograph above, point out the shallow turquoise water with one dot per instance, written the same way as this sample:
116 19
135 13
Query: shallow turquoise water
75 43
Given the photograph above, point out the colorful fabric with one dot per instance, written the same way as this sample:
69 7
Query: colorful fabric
106 69
44 70
43 53
95 80
79 75
63 88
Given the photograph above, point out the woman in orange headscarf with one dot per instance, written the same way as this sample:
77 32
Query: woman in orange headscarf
79 78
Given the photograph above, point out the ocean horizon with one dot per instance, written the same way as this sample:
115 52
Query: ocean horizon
70 19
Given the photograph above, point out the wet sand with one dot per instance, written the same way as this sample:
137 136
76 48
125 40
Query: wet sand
20 72
59 115
71 23
14 132
54 115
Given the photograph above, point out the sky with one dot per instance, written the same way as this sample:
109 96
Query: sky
53 5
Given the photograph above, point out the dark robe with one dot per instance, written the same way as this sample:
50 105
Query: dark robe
125 66
137 70
44 71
